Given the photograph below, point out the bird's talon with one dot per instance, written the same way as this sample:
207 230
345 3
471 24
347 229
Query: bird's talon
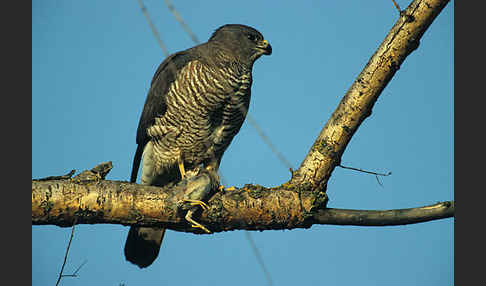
194 223
202 204
201 227
232 188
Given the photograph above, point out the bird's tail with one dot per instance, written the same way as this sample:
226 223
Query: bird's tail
143 245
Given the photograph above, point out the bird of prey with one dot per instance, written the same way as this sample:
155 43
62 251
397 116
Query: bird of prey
197 102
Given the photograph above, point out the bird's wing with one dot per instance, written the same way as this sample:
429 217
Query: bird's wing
155 105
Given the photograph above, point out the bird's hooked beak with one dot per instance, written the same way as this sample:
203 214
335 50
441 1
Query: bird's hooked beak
265 47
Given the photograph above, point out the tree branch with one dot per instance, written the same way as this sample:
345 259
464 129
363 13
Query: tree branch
253 207
358 102
299 203
386 217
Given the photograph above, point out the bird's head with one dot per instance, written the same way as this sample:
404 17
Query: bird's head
243 42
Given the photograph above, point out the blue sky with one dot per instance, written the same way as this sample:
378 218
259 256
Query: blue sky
92 63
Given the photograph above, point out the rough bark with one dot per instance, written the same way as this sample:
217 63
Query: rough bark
253 207
298 203
59 202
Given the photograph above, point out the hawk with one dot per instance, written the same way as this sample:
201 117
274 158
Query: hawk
197 102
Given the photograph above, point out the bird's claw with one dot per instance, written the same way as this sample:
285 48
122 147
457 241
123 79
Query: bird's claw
202 204
221 187
194 223
201 227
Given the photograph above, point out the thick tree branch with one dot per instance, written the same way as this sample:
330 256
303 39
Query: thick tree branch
403 38
253 207
101 201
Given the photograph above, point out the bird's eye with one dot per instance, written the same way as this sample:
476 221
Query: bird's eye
251 37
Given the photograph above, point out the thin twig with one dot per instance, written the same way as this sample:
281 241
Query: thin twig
364 171
398 7
75 273
378 180
66 255
368 172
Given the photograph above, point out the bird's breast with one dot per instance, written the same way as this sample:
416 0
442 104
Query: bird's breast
206 107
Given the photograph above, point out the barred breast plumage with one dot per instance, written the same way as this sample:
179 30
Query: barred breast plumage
205 110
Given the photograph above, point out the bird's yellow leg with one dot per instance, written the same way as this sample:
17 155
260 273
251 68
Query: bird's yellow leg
195 223
197 203
181 168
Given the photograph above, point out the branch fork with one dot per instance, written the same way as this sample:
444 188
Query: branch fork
298 203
